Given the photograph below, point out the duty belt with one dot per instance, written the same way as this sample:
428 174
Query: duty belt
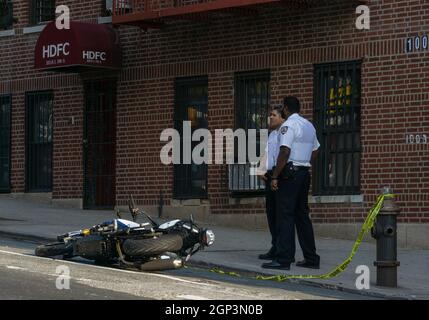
295 168
300 168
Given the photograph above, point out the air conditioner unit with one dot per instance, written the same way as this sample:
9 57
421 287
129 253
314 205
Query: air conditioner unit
242 178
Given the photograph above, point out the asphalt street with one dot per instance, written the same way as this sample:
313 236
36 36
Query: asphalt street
25 276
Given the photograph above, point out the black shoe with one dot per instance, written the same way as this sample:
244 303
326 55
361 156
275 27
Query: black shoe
276 265
270 255
305 264
267 256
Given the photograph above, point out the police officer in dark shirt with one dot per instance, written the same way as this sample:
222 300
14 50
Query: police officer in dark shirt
297 145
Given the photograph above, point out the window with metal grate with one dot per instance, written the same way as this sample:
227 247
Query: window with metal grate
39 137
191 102
42 11
252 100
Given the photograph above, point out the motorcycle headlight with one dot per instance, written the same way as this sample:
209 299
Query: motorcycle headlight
208 238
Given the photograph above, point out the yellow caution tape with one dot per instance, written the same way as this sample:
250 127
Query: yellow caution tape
232 274
367 226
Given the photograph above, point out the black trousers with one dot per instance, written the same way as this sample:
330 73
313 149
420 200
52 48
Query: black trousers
293 211
270 206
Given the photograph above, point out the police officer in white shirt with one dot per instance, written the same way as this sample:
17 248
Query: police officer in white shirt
268 162
297 145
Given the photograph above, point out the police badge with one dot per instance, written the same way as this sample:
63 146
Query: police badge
283 130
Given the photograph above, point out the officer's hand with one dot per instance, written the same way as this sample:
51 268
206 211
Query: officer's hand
274 185
262 176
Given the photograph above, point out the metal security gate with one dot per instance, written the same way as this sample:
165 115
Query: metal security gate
100 145
5 102
39 132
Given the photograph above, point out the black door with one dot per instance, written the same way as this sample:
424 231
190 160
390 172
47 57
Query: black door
5 102
39 117
100 144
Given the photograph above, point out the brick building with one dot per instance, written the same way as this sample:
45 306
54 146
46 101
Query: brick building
88 136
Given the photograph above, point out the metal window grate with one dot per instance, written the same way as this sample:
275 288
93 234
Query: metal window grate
191 103
42 11
5 139
252 99
337 116
39 134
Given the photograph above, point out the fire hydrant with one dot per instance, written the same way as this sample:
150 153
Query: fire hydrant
385 232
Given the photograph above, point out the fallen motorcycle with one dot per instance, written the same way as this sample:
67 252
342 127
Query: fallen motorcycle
147 246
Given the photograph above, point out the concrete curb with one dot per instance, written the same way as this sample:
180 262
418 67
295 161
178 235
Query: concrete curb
251 274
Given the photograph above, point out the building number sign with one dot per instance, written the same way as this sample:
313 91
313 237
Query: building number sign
416 44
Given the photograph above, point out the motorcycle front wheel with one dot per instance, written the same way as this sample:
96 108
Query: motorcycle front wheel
53 249
152 246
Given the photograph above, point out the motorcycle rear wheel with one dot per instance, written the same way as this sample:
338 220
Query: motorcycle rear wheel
152 246
53 249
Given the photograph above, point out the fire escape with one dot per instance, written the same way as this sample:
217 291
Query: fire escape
154 13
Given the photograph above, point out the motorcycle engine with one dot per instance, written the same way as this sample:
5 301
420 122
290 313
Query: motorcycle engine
93 247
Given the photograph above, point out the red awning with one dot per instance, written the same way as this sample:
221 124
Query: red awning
85 45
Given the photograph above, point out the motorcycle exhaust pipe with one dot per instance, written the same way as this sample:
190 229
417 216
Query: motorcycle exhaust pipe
161 264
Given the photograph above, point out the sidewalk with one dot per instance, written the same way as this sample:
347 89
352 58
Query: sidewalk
234 249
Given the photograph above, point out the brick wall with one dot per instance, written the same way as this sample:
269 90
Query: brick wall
18 76
288 42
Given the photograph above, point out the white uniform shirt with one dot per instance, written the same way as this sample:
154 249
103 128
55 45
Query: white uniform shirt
272 150
299 135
